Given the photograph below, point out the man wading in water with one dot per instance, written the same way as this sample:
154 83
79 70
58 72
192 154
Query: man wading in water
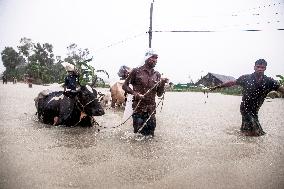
147 83
255 86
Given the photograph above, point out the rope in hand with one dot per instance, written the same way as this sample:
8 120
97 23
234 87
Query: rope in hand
149 90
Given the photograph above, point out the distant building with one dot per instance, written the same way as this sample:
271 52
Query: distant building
212 79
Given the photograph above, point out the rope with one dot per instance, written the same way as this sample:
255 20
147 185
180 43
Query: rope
103 127
162 100
83 106
136 109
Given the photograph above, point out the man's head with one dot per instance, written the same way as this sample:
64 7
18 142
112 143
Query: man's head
124 72
150 58
260 66
70 72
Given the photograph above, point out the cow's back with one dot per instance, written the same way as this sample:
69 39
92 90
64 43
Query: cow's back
117 94
52 100
48 101
46 96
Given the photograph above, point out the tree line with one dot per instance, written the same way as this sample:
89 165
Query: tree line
38 61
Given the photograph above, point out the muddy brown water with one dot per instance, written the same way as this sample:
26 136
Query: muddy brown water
197 145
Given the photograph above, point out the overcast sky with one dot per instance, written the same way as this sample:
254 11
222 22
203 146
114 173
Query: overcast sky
115 33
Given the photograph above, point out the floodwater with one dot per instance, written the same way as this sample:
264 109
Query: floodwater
197 145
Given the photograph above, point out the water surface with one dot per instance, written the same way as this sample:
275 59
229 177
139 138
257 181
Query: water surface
197 145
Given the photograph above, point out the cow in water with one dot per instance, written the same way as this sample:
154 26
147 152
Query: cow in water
118 96
70 109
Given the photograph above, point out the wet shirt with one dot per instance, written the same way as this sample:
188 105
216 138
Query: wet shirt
254 92
71 82
142 80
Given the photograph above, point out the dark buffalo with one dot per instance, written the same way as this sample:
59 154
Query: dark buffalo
70 109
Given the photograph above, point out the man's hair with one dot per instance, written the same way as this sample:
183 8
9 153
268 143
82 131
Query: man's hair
260 62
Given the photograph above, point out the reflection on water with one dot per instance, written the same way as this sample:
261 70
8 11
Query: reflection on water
196 145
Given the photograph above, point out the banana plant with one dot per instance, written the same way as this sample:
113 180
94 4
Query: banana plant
88 73
281 79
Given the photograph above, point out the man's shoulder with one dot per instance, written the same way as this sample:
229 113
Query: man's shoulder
134 70
269 78
141 68
272 81
243 79
157 72
137 68
245 76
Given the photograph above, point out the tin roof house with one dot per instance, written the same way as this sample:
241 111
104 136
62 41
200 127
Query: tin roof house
212 79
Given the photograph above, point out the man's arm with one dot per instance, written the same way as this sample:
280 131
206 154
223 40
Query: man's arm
125 85
161 86
223 85
128 89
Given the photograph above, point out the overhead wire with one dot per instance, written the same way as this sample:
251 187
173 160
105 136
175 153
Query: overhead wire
225 27
232 17
121 41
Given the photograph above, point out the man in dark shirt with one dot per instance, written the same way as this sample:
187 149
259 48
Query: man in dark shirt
71 81
255 86
147 83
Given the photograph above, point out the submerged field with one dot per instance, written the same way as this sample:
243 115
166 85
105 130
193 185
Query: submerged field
197 145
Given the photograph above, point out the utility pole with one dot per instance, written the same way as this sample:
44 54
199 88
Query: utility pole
150 27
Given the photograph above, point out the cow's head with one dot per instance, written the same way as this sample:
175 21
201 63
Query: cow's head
89 102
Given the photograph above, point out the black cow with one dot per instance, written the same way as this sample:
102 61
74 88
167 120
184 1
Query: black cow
61 108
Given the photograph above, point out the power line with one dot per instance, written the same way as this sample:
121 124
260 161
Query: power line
178 31
204 31
235 14
239 12
121 41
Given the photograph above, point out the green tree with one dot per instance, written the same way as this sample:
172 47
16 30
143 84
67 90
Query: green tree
76 55
38 61
11 60
41 63
80 59
26 47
